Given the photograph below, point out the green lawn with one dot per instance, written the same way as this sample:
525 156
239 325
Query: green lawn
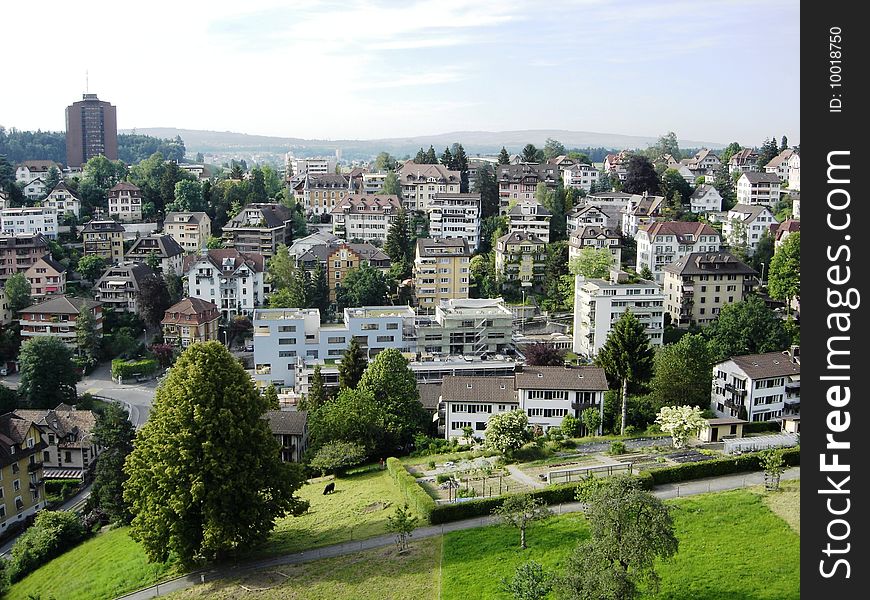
379 574
786 502
105 566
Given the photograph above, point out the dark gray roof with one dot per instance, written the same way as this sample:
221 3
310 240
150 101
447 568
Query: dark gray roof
540 210
750 210
135 272
164 245
770 364
561 378
287 422
759 177
99 226
430 393
188 217
431 246
705 263
586 232
275 215
478 389
62 305
702 189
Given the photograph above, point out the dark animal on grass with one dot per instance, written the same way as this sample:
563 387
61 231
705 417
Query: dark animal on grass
330 487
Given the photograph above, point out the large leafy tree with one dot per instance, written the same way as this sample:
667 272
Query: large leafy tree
205 477
385 162
188 197
729 151
352 416
353 365
747 327
88 338
640 176
363 286
17 292
336 456
531 154
592 263
630 531
674 183
680 422
392 383
154 299
553 148
281 268
114 432
683 373
48 376
503 157
784 281
487 186
627 358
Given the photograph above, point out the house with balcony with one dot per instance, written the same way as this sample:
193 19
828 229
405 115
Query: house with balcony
63 200
290 429
19 252
596 238
164 247
580 176
125 202
360 218
190 229
421 183
758 387
104 238
644 209
698 285
189 321
609 217
118 287
779 165
455 216
57 317
616 165
29 220
259 229
46 277
599 303
705 199
338 258
746 224
519 182
520 258
755 189
67 433
35 190
744 161
530 217
704 163
617 200
465 327
664 242
320 193
22 479
232 280
441 271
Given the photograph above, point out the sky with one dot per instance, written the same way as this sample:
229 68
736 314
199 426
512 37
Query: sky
717 71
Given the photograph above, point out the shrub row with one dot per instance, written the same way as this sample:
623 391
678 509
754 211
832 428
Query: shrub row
715 467
411 491
131 368
761 427
445 513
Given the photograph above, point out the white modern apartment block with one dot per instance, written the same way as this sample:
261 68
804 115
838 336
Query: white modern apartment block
63 200
373 183
705 199
454 216
746 224
314 166
232 280
29 220
420 183
758 387
620 200
758 188
598 303
596 238
664 242
465 327
365 218
530 217
580 177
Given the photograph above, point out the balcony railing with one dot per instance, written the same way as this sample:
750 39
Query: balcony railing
32 467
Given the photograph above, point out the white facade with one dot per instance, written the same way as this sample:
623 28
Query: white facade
314 166
455 216
36 219
580 177
598 303
591 215
662 243
63 201
758 188
794 172
421 183
236 287
365 218
766 386
756 220
373 183
34 190
705 199
530 217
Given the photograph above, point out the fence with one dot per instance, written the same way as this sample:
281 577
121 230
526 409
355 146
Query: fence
570 475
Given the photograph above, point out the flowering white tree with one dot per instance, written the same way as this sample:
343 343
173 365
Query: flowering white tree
680 422
507 431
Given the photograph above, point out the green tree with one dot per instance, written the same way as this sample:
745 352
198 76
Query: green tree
188 197
153 261
317 395
398 245
392 383
319 296
447 158
17 292
114 432
764 252
646 273
768 152
88 339
48 376
214 243
430 158
335 457
530 582
363 286
738 239
507 431
91 267
271 396
683 373
52 178
627 358
666 144
553 148
729 151
747 327
353 365
385 162
503 157
154 299
258 186
420 158
206 478
487 186
402 523
281 268
52 533
571 425
484 279
673 182
640 176
392 187
519 510
531 154
724 184
630 531
352 416
784 280
591 418
271 180
592 263
783 146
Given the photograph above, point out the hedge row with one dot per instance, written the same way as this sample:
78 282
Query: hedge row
445 513
413 493
127 369
762 427
712 468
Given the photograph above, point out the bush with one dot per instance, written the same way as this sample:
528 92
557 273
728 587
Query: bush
529 452
127 369
413 494
445 513
722 466
52 533
63 488
617 448
761 427
442 477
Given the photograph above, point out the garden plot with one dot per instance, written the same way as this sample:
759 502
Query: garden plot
475 478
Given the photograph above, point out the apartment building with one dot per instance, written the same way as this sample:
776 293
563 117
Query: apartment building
698 285
521 258
643 210
421 183
599 303
125 202
580 177
259 228
19 252
530 217
664 242
22 491
455 216
779 165
372 183
63 200
232 280
705 199
91 130
465 327
520 182
27 171
616 165
46 277
290 429
441 271
755 188
320 193
190 229
596 238
365 218
618 200
758 387
35 190
6 314
57 317
118 287
189 321
163 247
67 433
745 225
104 238
338 258
744 161
312 166
609 217
201 172
29 220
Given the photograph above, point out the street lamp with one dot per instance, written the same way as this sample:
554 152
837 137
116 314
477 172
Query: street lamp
226 339
762 274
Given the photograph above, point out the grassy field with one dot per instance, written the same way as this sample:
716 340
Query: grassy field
379 574
103 567
786 502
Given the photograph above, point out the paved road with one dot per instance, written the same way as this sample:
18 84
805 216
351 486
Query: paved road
688 488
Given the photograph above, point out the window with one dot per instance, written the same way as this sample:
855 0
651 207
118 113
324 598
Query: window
286 328
385 338
336 340
286 341
16 485
392 325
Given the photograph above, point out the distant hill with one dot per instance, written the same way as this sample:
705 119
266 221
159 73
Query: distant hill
474 142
